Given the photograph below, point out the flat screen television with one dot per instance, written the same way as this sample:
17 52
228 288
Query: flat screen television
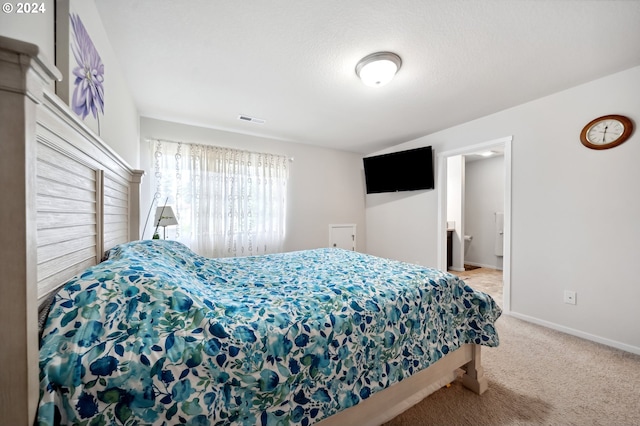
409 170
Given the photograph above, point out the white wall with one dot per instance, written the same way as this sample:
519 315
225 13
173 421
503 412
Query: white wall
484 196
36 28
325 186
575 211
120 124
400 221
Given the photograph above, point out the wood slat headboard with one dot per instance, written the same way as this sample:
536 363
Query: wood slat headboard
66 199
87 197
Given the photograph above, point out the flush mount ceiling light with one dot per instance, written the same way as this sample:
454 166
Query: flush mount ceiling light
378 68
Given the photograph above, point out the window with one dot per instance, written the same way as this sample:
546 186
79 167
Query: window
228 202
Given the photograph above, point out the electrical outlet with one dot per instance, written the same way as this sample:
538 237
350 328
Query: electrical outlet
570 297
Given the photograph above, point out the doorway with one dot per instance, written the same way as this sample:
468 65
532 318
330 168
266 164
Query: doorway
504 145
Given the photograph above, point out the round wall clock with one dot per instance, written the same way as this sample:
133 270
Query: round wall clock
606 132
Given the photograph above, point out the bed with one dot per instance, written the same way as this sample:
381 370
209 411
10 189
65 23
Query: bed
72 203
159 334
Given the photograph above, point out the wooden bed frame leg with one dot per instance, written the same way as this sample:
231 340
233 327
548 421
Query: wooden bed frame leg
473 377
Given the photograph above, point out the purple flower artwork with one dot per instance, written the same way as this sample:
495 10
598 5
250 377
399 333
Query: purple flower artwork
88 94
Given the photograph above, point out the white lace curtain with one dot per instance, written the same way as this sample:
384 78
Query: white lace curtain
228 202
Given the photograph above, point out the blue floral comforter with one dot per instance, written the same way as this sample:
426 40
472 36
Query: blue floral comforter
159 335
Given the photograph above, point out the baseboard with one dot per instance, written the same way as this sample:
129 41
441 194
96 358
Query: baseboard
577 333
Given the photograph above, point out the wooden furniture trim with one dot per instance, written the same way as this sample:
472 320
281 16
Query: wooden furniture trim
23 74
385 405
41 222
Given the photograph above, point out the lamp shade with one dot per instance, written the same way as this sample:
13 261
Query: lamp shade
378 68
165 216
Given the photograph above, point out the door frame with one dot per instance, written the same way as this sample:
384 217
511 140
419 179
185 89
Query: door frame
505 144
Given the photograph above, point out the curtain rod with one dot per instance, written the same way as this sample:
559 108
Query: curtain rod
151 140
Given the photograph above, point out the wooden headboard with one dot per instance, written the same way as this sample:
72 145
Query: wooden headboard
66 199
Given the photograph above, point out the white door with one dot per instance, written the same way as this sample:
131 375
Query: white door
342 236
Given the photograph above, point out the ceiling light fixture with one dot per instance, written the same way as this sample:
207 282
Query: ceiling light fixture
378 68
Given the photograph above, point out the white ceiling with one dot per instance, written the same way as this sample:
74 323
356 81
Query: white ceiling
292 62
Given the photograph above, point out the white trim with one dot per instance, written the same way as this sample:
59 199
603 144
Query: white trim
577 333
504 142
506 265
484 146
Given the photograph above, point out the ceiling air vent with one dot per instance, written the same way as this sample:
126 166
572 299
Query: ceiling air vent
251 119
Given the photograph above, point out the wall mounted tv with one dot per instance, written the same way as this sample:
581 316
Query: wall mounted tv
409 170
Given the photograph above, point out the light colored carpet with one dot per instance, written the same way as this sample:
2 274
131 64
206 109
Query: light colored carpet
539 376
484 279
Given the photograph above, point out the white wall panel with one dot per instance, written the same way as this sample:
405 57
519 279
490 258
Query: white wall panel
575 211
